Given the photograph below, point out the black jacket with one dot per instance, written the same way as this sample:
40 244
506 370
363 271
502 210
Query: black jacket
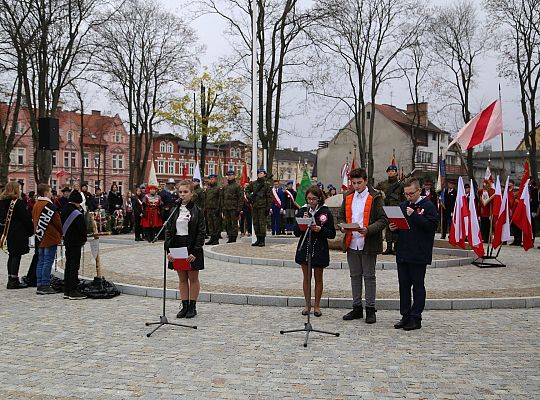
20 228
76 233
115 201
320 256
196 232
415 245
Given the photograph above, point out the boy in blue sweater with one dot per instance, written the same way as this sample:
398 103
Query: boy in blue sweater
413 252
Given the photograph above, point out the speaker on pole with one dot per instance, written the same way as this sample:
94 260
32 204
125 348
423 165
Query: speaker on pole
48 134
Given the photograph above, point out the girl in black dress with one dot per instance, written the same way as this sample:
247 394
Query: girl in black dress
321 230
186 228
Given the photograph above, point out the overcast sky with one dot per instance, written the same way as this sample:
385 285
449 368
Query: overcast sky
307 127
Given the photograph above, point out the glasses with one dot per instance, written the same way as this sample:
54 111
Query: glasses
312 199
409 194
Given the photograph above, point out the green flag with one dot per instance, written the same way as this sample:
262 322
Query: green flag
304 185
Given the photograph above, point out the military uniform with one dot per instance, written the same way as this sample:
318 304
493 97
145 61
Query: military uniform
232 203
169 198
198 197
212 201
260 196
392 189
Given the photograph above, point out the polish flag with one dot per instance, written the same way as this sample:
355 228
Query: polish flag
197 173
474 237
245 178
522 215
484 126
458 229
502 226
353 166
345 177
487 176
497 200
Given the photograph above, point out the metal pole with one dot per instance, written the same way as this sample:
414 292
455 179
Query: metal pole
254 109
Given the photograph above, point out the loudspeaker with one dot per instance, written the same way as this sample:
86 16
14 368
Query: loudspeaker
48 134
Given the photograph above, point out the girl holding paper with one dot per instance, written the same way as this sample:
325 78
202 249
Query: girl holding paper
186 229
322 229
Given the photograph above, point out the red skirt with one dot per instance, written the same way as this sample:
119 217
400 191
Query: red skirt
151 218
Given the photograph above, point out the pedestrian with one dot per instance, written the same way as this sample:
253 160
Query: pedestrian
392 189
485 198
48 230
151 219
186 228
138 213
245 216
74 232
278 207
232 203
447 206
15 229
212 202
64 198
115 203
169 197
429 193
322 229
290 207
260 198
364 206
128 212
414 252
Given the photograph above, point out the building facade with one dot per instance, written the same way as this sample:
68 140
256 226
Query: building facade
104 157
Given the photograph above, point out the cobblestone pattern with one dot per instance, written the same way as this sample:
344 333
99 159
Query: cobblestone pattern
97 349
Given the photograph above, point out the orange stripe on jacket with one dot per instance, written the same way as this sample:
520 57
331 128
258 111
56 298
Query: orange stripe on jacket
348 215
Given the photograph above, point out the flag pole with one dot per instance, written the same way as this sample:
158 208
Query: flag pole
503 172
254 99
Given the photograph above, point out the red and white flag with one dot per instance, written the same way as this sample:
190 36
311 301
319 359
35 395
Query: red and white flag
487 176
497 200
61 173
345 177
502 226
458 229
474 237
484 126
522 215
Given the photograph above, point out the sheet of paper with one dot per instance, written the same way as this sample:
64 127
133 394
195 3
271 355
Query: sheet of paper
354 225
304 221
179 252
393 212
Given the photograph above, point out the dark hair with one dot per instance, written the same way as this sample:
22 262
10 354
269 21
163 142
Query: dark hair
412 182
276 180
358 173
317 192
187 183
43 188
512 181
114 184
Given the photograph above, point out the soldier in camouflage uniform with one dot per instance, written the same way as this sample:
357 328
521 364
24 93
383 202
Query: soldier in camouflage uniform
232 203
392 189
212 202
198 194
260 196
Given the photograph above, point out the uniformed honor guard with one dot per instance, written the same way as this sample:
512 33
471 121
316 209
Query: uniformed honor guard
290 207
393 196
198 194
277 209
169 197
260 197
151 219
212 202
232 201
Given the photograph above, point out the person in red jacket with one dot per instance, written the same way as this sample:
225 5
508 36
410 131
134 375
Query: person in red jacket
485 200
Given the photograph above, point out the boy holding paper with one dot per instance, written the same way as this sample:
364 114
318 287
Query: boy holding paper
414 251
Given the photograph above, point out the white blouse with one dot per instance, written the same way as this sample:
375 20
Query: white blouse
182 221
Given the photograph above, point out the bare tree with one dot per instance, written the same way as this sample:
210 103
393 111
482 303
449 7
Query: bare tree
458 39
144 52
520 20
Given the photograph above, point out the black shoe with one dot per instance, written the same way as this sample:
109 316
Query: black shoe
230 239
233 239
182 313
355 313
75 295
192 310
257 242
15 283
261 242
401 323
388 250
412 324
28 281
370 315
45 290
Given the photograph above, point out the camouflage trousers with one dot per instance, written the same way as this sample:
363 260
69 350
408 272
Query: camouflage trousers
259 220
213 216
230 217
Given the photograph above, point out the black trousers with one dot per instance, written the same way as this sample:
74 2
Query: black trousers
446 220
13 265
71 273
411 275
138 228
485 223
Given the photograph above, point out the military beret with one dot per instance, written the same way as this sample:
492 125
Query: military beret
261 170
230 172
212 176
391 168
196 180
290 182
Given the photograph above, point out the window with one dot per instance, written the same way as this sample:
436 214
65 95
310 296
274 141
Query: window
86 161
211 153
424 157
162 147
66 158
191 152
182 150
54 158
70 136
211 168
434 136
191 167
161 167
54 184
170 169
117 137
117 161
170 148
368 115
512 167
97 160
17 156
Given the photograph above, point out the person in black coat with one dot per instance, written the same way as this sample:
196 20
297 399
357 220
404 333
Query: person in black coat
321 230
450 194
186 228
414 251
74 231
138 211
16 235
115 200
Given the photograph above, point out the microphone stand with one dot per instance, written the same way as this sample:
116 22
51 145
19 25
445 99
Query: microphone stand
308 328
163 318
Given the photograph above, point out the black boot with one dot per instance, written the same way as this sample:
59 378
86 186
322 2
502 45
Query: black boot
370 315
257 242
185 307
356 313
210 241
388 250
261 242
192 310
233 239
14 283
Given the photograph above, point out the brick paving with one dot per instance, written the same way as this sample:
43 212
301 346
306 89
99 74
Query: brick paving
97 349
